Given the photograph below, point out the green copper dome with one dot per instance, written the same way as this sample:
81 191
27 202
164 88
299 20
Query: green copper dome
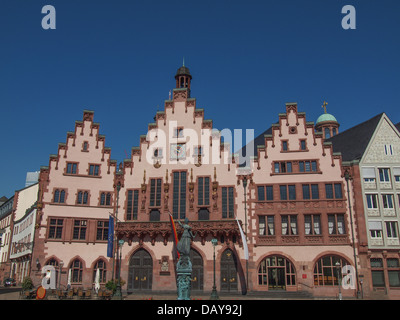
326 117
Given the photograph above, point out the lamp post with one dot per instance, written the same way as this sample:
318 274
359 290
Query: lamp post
115 222
245 227
337 264
118 292
214 294
61 264
348 177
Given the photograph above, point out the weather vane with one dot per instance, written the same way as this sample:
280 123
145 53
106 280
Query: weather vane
324 105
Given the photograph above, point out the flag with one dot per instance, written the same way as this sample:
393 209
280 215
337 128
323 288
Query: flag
246 249
174 231
110 243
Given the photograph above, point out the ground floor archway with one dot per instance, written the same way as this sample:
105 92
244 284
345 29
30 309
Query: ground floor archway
140 276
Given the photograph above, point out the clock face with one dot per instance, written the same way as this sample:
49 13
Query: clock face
178 151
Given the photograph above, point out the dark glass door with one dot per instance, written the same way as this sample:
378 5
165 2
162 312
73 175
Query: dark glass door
140 271
229 279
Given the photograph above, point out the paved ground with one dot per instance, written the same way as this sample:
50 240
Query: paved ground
14 294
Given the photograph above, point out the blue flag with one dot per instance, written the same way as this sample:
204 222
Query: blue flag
110 244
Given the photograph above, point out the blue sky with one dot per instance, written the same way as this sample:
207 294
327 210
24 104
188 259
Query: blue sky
247 59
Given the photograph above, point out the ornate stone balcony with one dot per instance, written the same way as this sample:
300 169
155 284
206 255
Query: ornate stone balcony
227 228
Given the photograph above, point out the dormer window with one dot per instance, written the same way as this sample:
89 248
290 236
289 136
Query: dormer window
284 145
157 153
178 132
85 146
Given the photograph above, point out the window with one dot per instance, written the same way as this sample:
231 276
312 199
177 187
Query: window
292 192
76 271
388 149
387 200
55 228
314 191
79 230
308 166
327 133
384 175
157 153
155 192
285 190
391 229
197 151
72 168
85 146
265 193
283 167
393 272
302 144
289 224
375 229
105 199
132 205
59 196
178 133
284 145
102 267
326 272
336 224
227 202
329 188
378 278
306 191
203 189
102 230
94 170
179 195
372 201
312 224
266 230
82 197
276 272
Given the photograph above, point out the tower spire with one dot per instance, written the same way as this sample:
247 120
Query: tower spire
183 62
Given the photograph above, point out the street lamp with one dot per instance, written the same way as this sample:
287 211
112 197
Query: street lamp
118 293
348 177
337 264
61 264
214 294
245 227
118 187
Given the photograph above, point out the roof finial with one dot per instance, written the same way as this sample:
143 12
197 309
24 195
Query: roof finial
183 63
324 105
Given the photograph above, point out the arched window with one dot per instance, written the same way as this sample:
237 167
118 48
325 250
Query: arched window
52 262
326 270
62 196
327 133
276 272
101 265
76 268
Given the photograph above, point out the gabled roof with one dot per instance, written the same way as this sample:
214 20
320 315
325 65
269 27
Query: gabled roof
353 142
398 126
